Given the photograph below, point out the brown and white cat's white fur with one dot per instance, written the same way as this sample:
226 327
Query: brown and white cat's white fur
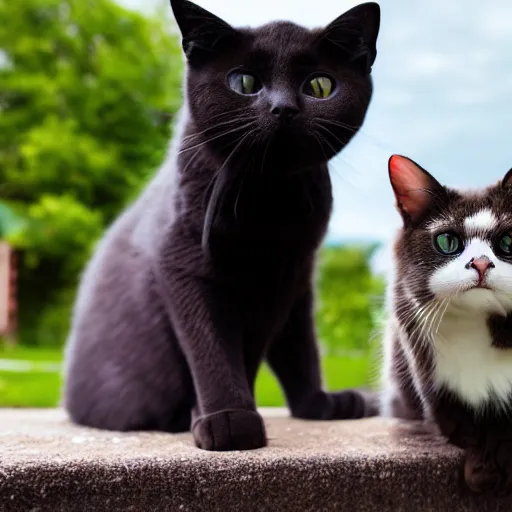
448 343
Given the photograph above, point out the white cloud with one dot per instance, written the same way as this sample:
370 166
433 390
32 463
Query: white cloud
427 63
496 21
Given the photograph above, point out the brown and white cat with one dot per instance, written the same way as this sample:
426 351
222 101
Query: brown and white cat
448 346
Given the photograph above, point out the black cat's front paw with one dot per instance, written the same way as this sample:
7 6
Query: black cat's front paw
230 430
341 405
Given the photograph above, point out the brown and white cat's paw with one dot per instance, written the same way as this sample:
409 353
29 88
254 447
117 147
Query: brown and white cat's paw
340 405
230 430
480 472
489 470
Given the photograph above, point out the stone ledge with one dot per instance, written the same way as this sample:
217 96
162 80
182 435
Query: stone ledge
353 466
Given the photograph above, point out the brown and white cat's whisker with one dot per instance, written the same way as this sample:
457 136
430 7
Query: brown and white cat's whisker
434 322
422 320
446 303
426 321
434 325
411 313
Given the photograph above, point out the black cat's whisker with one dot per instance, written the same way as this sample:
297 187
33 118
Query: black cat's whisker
212 180
234 116
360 130
218 136
353 129
251 142
234 123
326 141
269 140
342 142
222 182
214 128
317 137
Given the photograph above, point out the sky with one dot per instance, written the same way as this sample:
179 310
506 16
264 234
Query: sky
442 96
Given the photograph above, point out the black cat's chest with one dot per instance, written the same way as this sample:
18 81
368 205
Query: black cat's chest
292 207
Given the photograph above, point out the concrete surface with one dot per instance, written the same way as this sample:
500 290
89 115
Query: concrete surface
365 465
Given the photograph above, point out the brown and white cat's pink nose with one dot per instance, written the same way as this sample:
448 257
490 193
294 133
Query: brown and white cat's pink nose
482 264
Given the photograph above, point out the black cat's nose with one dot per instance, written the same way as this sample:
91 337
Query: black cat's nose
285 112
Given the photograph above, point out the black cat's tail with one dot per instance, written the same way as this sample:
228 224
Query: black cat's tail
348 404
356 404
371 402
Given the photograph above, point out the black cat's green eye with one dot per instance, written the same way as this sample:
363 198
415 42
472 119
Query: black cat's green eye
319 87
244 83
448 243
505 245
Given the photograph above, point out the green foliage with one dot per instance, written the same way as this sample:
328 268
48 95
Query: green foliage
11 224
87 92
349 299
40 386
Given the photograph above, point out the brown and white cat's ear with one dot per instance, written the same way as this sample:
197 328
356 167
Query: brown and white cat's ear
203 33
506 182
353 35
414 187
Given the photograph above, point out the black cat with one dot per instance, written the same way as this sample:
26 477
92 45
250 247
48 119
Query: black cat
210 271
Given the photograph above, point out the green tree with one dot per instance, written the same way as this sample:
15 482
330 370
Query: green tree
349 299
87 93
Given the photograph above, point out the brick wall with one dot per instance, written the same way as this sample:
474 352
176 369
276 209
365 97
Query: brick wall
8 302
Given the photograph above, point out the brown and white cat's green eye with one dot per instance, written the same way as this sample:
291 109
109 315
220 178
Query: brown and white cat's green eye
448 243
319 87
244 83
505 245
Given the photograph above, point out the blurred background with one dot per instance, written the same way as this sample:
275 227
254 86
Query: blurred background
88 93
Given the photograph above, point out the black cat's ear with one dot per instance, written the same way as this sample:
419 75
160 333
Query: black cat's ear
203 34
415 189
354 35
506 182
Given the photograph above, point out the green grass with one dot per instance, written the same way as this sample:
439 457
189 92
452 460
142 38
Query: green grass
42 389
338 372
50 355
35 389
